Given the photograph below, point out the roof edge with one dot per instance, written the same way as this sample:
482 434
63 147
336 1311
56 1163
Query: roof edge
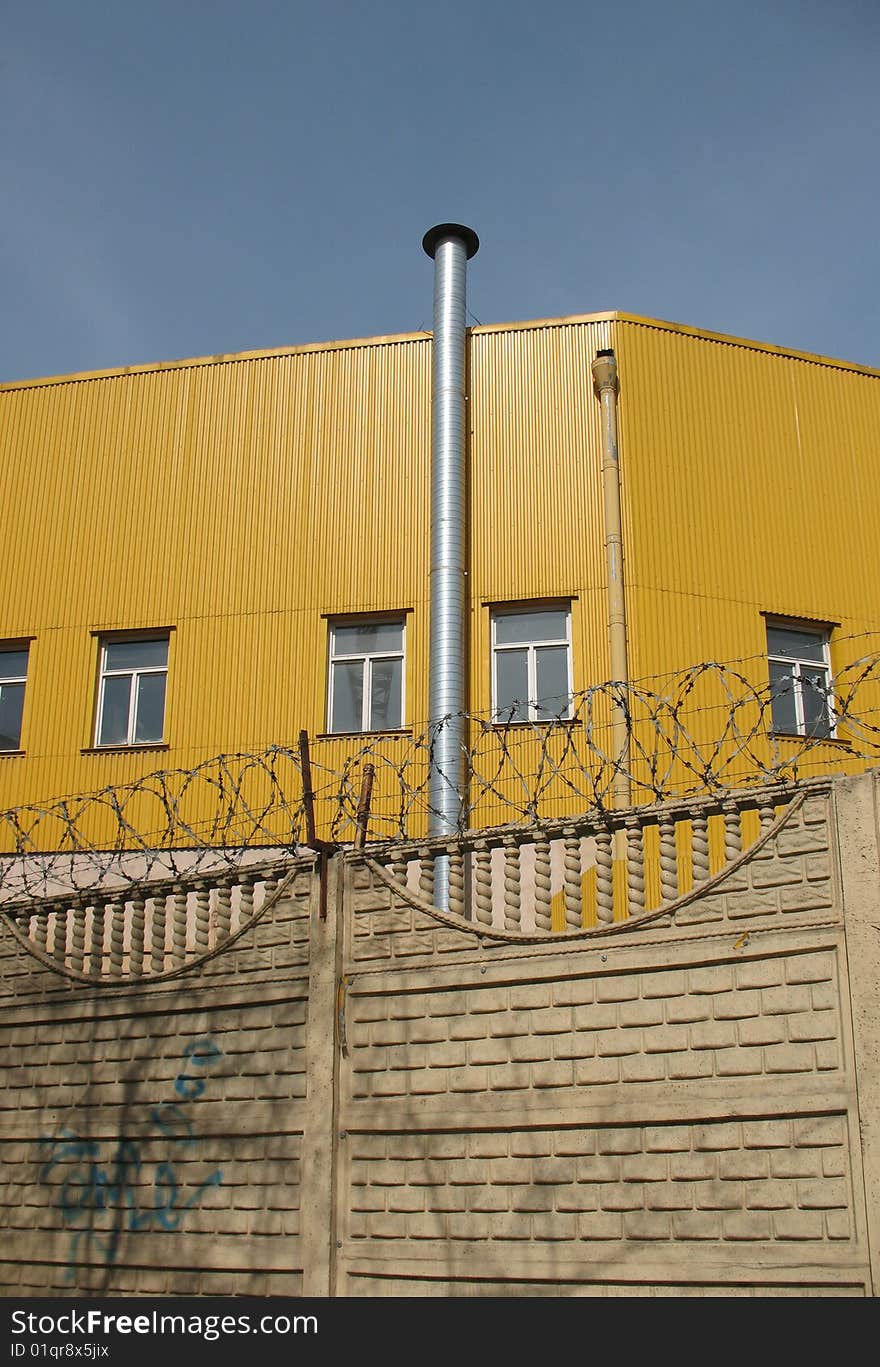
220 358
685 330
480 329
731 339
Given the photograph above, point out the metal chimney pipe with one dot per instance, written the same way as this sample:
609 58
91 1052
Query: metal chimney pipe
451 245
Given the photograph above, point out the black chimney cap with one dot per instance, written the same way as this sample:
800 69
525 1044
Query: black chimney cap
436 235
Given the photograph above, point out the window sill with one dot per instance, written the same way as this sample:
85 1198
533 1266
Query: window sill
11 754
530 725
124 749
840 741
355 735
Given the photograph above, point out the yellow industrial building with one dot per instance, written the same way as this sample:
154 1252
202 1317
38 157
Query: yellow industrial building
557 615
212 555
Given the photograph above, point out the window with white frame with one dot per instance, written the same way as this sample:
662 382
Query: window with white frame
531 663
366 674
800 680
131 691
13 677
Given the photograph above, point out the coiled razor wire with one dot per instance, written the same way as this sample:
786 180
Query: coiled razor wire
700 731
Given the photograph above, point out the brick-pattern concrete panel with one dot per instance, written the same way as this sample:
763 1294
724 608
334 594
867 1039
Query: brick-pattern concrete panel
386 927
792 873
784 1179
736 1019
151 1138
690 1109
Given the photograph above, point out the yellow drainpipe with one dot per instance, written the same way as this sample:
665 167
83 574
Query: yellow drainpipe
606 387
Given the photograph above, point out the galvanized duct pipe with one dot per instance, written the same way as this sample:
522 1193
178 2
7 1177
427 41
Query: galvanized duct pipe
451 245
606 387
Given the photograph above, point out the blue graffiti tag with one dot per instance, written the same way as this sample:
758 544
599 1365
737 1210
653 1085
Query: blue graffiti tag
99 1200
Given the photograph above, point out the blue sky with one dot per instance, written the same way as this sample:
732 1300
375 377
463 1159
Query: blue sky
205 176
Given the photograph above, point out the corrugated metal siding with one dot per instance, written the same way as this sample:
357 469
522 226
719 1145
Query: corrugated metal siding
536 493
239 475
237 502
742 470
750 487
536 517
241 500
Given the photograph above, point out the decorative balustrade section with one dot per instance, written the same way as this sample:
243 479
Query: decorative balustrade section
557 877
531 880
153 931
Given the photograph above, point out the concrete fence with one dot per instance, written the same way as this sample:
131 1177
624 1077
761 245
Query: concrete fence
594 1074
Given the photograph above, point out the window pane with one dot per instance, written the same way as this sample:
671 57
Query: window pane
11 704
347 697
802 645
367 637
551 624
553 697
136 654
149 722
782 703
386 680
13 664
113 728
512 685
814 687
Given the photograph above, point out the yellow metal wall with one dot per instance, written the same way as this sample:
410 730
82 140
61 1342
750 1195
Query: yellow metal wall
536 492
240 500
751 485
750 488
237 502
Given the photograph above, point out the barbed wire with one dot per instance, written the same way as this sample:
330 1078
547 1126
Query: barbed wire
710 729
172 822
705 729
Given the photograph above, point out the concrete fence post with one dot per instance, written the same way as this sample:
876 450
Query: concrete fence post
317 1206
857 812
